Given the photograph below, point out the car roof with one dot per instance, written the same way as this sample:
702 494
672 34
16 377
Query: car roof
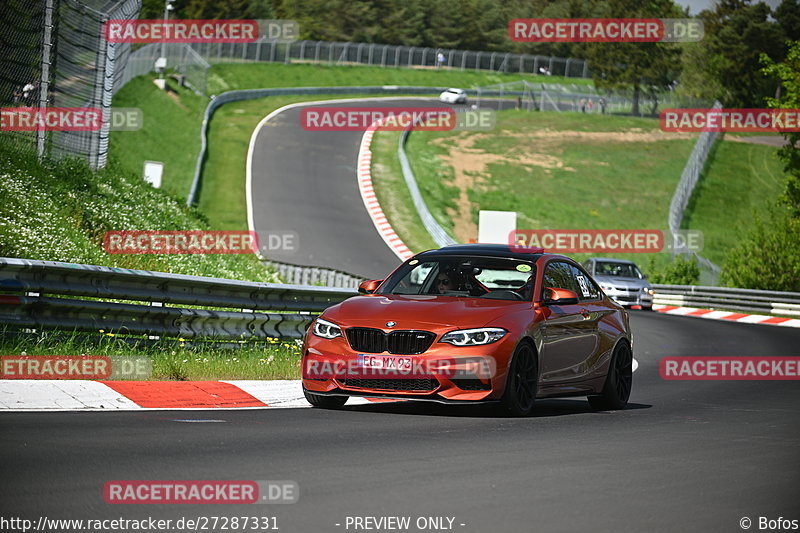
487 250
610 260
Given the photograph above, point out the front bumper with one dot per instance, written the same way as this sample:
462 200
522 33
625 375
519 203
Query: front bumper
630 297
443 373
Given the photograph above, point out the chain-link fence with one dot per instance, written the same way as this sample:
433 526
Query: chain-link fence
54 55
683 192
181 58
380 55
588 99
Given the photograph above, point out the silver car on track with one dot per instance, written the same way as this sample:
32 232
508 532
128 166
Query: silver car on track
622 281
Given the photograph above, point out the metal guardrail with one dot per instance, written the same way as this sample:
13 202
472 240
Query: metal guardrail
36 295
437 232
73 297
750 300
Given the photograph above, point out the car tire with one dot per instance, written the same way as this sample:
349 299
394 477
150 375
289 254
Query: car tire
617 387
522 381
324 401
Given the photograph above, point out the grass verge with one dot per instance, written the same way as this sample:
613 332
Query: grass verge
172 360
229 76
740 179
61 210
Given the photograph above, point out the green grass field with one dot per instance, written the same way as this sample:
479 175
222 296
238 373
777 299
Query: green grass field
229 76
171 132
569 170
560 171
740 179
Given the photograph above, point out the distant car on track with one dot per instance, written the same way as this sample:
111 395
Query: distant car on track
473 323
622 281
453 96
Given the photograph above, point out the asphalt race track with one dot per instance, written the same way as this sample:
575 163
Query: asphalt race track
685 456
304 182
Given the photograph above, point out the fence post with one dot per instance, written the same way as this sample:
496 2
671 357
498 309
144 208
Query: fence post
410 56
358 52
44 79
383 55
478 61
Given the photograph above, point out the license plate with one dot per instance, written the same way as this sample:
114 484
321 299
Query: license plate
384 362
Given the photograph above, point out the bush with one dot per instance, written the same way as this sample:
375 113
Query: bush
768 256
680 272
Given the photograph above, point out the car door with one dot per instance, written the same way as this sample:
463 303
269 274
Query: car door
569 331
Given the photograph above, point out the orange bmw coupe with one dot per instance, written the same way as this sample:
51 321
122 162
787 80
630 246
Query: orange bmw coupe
473 323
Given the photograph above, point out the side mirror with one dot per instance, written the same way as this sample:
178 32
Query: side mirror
369 286
554 296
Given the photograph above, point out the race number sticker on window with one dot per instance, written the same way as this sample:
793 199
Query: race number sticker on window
584 286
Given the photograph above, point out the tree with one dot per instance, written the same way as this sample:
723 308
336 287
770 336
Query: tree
724 65
636 65
768 257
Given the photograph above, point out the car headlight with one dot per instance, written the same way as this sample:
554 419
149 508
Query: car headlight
607 287
474 337
326 330
648 290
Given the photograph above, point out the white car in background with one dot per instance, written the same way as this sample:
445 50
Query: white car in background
622 281
454 96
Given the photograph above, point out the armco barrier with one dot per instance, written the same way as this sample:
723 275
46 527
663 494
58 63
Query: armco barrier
748 300
36 294
154 303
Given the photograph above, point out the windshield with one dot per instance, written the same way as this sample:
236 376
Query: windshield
620 270
466 277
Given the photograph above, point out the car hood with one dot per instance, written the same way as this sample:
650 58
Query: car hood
618 281
419 311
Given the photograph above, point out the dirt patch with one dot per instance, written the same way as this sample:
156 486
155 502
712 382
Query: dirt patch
470 164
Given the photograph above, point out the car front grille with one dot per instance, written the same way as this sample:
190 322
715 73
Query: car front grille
401 342
423 384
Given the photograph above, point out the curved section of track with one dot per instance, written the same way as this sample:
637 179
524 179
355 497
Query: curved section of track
305 182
